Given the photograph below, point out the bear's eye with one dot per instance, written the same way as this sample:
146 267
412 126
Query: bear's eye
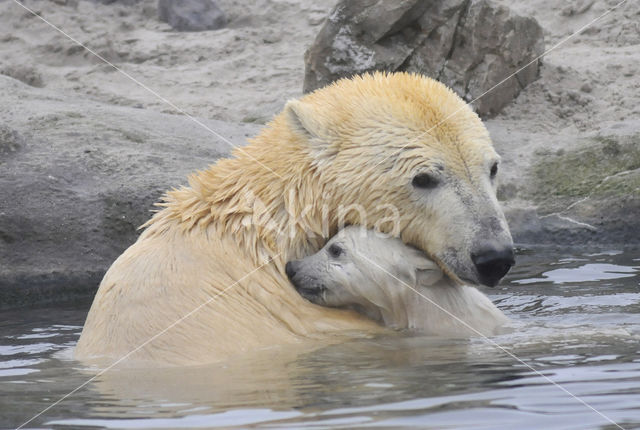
335 251
424 181
494 170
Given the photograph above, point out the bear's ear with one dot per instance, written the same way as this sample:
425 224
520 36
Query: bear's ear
305 120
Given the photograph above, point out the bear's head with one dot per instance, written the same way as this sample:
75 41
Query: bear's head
404 154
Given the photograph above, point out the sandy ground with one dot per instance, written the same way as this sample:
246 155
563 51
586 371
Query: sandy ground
247 71
243 73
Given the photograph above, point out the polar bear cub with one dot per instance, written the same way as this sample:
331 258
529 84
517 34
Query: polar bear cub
393 284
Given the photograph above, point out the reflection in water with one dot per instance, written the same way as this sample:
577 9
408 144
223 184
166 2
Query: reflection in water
576 320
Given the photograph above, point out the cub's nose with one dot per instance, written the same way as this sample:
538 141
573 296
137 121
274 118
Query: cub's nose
492 264
290 269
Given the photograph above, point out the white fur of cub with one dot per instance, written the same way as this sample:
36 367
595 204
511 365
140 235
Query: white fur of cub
393 284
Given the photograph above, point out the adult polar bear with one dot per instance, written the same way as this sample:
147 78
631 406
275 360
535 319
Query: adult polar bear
214 257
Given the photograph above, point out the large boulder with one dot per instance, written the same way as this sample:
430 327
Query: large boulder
77 179
588 194
470 45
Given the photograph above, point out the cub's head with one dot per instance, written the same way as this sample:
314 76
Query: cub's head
402 153
361 269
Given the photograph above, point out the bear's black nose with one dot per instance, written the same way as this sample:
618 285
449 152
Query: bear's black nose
492 264
290 270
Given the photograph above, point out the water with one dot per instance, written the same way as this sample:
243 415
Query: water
576 319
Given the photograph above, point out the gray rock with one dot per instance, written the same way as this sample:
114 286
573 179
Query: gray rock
528 227
77 178
579 191
191 15
470 45
524 223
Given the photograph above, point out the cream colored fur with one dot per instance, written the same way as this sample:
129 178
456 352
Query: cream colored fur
224 239
393 284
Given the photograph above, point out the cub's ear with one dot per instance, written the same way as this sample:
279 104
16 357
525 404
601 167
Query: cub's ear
426 277
419 261
306 120
427 271
416 277
405 273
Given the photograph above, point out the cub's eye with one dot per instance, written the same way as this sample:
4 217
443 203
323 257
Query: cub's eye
335 251
494 170
424 181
